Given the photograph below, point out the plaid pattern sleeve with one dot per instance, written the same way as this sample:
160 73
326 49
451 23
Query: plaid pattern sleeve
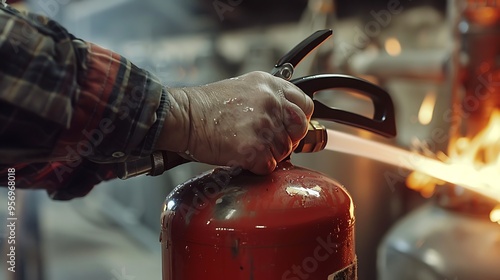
70 109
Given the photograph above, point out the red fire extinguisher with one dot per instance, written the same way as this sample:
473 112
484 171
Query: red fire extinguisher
292 224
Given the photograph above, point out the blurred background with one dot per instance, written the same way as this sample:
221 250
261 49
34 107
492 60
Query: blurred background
414 49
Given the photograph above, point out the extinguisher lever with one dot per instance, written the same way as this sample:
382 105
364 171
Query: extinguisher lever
285 66
383 121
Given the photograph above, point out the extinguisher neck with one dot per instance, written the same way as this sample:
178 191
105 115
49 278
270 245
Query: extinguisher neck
315 139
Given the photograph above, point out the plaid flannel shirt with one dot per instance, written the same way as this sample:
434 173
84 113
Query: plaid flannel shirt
70 110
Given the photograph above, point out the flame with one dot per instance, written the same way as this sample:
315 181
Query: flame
482 153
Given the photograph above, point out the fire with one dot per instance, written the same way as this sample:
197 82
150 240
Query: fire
481 153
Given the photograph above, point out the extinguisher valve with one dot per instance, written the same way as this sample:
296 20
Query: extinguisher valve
315 139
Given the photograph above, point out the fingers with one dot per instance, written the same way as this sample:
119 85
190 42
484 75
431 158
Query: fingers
221 131
281 146
295 122
264 165
255 157
296 96
297 109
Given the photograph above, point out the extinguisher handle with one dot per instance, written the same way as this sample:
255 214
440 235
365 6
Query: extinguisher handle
285 66
383 121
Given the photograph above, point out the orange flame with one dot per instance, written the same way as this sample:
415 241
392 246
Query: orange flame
482 152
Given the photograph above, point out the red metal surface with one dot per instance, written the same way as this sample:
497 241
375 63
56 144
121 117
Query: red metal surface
292 224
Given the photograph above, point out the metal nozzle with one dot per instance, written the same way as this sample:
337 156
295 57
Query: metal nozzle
315 139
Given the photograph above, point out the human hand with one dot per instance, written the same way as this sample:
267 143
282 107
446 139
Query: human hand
253 121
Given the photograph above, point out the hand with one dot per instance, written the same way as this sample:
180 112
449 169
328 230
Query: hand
253 121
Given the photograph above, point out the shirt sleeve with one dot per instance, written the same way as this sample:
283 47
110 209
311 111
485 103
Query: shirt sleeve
70 107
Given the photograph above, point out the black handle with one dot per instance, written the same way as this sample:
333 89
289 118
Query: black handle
383 122
304 48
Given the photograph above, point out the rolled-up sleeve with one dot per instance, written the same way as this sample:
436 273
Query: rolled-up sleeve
65 101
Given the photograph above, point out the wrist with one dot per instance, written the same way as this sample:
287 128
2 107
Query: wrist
174 135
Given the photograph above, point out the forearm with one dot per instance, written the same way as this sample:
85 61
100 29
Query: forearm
91 102
127 106
66 103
